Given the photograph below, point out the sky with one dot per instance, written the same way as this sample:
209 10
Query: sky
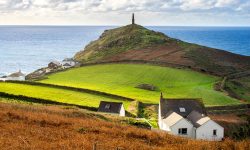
118 12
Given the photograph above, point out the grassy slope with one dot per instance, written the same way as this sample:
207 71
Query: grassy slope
240 87
59 95
121 79
33 127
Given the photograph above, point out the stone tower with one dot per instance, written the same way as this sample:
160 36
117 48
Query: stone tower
133 18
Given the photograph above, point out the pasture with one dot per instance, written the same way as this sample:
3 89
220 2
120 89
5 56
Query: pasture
121 79
56 94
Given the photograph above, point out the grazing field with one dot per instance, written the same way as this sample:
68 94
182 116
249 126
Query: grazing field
39 127
55 94
121 79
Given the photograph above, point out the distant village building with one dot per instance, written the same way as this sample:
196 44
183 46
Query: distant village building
112 107
17 76
68 63
54 65
187 118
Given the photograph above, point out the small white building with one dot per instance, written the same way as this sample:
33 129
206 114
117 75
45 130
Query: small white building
17 76
187 118
112 108
68 63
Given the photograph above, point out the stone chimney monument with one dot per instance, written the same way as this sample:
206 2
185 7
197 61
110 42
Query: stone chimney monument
133 18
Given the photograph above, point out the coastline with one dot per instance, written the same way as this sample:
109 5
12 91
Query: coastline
36 47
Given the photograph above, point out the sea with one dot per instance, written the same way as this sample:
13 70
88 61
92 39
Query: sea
28 48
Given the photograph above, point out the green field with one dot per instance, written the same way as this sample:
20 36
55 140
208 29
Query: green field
55 94
121 79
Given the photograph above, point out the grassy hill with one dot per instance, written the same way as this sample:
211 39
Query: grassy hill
136 43
51 127
118 40
122 79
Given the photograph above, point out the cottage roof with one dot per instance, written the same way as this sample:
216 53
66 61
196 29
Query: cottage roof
181 106
66 64
197 118
56 63
172 119
16 74
110 107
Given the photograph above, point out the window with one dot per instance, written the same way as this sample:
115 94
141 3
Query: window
182 109
182 131
107 106
214 132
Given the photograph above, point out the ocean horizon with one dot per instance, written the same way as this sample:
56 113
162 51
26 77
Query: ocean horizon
31 47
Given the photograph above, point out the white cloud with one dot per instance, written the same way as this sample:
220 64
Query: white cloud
65 9
226 3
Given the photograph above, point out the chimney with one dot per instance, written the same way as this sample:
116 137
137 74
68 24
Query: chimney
133 18
161 95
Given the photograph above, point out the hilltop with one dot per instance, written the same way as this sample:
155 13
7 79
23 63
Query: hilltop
139 44
119 40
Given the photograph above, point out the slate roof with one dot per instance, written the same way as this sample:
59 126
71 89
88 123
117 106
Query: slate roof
110 107
172 119
197 119
66 64
176 105
56 63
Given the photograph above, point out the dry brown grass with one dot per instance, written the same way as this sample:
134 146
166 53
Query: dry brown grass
229 118
41 127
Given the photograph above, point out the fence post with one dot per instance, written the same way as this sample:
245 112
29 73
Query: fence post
94 146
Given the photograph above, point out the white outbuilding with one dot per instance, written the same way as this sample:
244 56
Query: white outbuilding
68 63
187 118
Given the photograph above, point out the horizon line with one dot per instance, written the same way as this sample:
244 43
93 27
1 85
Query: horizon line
58 25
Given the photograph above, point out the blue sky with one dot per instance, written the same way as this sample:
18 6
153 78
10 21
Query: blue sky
118 12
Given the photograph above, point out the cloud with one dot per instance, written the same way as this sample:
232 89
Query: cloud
123 5
86 8
10 5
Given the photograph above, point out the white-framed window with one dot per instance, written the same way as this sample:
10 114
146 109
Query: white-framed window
182 131
214 132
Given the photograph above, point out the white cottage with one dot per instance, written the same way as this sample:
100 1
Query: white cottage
68 63
112 108
187 118
17 76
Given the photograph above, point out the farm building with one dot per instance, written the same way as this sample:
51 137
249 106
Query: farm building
112 107
66 65
17 76
68 62
54 65
187 118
